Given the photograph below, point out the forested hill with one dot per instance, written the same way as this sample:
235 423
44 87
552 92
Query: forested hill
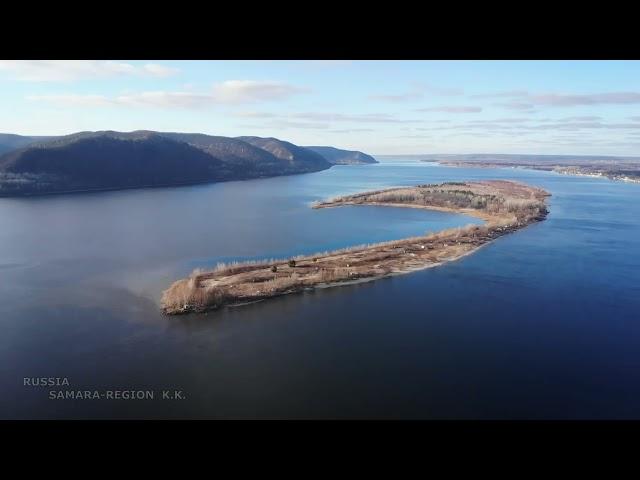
114 160
338 156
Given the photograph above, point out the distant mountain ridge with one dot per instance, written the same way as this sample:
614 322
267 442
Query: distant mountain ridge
287 152
113 160
9 141
343 157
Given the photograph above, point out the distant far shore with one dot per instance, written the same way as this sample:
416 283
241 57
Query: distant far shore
625 169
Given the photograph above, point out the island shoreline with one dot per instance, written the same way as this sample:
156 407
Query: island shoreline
505 206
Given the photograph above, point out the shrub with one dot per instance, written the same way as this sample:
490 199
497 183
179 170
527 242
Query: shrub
274 269
292 263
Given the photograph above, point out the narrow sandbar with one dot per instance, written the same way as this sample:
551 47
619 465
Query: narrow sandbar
505 206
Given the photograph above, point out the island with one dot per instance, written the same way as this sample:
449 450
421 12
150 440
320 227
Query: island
505 206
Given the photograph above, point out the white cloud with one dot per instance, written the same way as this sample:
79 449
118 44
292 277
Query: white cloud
585 125
410 96
522 128
247 91
506 94
253 114
445 92
417 92
587 118
164 100
318 120
321 120
358 118
451 109
322 64
282 124
159 70
503 120
71 70
230 92
523 100
153 99
352 130
514 105
67 100
612 98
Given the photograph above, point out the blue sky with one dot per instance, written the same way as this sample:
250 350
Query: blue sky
381 107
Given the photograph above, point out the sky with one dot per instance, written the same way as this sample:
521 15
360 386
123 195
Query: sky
379 107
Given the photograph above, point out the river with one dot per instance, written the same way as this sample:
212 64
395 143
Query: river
540 324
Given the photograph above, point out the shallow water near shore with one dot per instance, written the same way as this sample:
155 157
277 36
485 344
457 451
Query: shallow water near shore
542 323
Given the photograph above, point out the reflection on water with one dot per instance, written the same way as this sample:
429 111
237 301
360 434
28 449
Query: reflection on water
539 324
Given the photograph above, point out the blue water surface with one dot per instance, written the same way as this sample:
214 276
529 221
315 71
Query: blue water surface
540 324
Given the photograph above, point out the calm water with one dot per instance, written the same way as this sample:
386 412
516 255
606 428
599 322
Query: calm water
544 323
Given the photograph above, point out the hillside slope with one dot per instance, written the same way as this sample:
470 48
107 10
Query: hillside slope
9 141
338 156
251 159
105 161
114 160
292 157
